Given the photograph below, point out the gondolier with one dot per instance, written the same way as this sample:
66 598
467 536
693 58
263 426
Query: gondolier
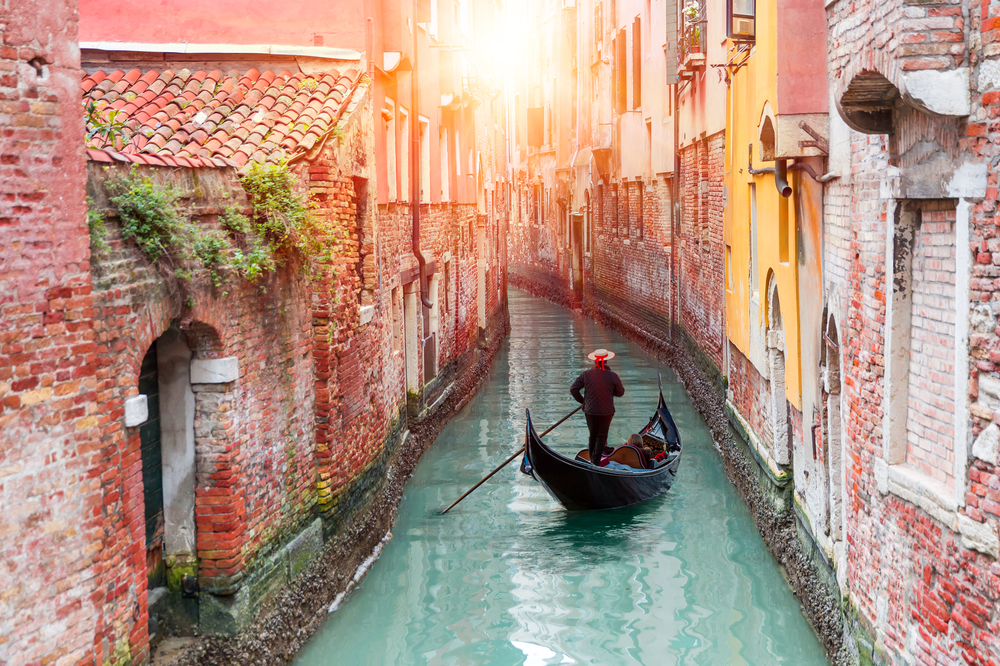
600 387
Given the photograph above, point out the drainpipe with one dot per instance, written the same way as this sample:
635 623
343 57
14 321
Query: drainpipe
674 210
781 178
415 161
780 171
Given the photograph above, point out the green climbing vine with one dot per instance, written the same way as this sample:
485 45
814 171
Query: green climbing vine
280 224
97 228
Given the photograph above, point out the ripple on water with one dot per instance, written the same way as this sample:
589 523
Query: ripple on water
509 577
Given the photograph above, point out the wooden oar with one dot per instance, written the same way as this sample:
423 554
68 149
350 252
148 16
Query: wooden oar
506 462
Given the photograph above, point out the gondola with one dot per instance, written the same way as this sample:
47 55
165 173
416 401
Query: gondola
579 485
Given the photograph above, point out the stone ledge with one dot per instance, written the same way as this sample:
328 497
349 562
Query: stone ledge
919 489
215 370
136 411
983 537
934 498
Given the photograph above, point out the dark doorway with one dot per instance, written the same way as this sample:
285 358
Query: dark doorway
152 468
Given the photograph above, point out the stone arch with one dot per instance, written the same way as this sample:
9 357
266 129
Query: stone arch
182 362
835 453
766 133
868 102
781 439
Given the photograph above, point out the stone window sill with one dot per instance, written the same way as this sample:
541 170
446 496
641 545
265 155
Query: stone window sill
938 500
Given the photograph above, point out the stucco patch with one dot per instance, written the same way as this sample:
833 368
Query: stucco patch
944 93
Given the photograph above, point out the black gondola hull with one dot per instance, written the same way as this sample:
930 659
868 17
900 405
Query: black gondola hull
580 486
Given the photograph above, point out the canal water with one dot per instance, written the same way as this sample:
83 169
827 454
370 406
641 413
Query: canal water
509 577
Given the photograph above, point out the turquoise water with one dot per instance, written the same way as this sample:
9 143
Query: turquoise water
509 577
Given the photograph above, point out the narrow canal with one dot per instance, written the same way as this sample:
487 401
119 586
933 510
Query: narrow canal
509 577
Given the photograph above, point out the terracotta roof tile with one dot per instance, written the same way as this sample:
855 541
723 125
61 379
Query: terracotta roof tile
214 118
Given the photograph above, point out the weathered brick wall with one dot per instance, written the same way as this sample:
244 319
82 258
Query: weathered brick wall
701 252
629 275
750 393
917 575
255 462
50 527
930 421
895 37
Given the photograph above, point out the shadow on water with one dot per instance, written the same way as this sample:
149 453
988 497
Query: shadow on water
509 577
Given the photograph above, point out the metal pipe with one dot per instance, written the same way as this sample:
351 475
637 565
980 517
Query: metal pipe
750 169
415 161
781 178
675 207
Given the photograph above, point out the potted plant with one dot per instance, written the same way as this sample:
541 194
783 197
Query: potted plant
694 40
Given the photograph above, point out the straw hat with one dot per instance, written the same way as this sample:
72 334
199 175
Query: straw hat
601 355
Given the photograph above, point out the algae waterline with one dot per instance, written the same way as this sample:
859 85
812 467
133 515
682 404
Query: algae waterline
509 577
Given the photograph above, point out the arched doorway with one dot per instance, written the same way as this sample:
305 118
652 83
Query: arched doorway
834 432
781 441
167 446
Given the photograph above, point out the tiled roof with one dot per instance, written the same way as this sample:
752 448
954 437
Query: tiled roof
218 119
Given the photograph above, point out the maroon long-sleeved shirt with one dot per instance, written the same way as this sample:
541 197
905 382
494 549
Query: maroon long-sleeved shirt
599 390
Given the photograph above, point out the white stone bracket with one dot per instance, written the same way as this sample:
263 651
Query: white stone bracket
136 411
215 370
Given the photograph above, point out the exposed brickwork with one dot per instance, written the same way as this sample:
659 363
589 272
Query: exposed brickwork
702 269
750 393
916 583
930 423
50 527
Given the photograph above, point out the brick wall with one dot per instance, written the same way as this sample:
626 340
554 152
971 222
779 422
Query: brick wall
255 468
51 523
921 585
750 393
930 421
701 261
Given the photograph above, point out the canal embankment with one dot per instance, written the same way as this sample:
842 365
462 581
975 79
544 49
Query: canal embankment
286 622
804 565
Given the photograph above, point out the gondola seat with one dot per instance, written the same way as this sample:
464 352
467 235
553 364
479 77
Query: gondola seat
624 455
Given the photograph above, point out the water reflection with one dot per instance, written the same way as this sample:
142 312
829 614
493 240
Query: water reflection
509 577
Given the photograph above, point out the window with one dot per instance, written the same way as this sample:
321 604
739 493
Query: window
600 208
458 155
390 147
621 92
649 148
626 220
404 155
637 63
397 319
425 160
742 19
598 30
443 155
614 208
638 210
446 300
729 268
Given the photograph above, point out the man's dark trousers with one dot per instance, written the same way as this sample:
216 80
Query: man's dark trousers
599 424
